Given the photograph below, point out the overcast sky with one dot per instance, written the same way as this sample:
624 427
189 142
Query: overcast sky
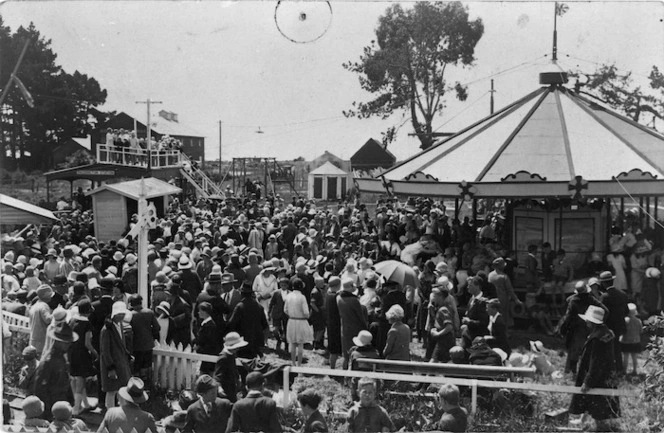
211 61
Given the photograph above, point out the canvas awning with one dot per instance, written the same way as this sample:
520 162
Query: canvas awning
551 143
153 187
17 212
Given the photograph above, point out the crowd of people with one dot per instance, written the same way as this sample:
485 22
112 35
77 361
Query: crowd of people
228 277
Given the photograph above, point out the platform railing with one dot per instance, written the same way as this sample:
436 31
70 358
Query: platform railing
107 154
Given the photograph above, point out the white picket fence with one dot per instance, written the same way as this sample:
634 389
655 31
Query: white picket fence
22 429
16 322
174 367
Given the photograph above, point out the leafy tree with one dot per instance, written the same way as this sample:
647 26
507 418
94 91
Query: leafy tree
404 67
63 101
620 93
78 158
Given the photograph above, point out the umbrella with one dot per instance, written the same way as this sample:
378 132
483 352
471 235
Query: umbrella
393 270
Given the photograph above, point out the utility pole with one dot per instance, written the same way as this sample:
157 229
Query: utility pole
220 151
148 137
492 91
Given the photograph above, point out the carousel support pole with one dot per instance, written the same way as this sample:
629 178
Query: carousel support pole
71 189
456 208
474 211
648 210
608 221
641 210
622 206
143 246
656 205
560 222
48 191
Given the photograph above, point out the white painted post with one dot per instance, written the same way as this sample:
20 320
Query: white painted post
473 398
143 246
286 384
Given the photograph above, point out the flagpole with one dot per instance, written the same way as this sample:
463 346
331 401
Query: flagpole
13 74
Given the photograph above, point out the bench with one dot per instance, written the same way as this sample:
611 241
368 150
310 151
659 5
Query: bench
449 370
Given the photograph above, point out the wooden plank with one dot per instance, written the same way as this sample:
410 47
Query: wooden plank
449 369
565 389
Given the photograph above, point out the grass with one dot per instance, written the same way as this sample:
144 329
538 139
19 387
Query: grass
418 413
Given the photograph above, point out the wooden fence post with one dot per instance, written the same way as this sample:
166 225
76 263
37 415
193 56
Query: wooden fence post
286 384
473 397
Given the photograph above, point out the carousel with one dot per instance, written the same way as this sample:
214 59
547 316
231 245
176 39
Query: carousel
562 162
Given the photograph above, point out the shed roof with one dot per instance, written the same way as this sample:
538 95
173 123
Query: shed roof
373 152
328 169
153 186
14 211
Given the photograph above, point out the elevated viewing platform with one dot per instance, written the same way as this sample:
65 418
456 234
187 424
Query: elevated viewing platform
115 163
154 159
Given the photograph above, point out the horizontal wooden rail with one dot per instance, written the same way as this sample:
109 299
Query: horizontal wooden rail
16 322
448 369
472 383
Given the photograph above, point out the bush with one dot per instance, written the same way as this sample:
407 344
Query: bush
13 361
654 381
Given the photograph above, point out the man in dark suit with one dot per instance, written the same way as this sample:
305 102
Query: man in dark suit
497 327
101 310
255 412
129 415
476 320
209 414
181 314
145 327
212 295
226 372
207 340
248 319
615 300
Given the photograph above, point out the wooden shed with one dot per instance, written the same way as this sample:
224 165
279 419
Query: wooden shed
372 155
114 204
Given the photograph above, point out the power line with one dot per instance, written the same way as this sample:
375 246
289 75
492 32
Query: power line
462 111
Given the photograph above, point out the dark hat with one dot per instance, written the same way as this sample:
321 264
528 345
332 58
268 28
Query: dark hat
134 391
205 383
247 288
63 332
59 280
135 300
106 283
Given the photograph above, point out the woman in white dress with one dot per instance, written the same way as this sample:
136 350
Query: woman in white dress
619 265
298 330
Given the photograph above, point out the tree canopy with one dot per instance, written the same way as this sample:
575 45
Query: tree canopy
63 101
620 93
404 67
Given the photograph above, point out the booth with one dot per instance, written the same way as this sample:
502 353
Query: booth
114 204
328 182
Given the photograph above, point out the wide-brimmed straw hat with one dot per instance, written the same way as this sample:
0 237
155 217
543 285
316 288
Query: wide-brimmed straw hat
593 314
606 276
363 338
233 340
63 332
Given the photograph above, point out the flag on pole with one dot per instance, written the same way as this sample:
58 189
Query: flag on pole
24 91
561 9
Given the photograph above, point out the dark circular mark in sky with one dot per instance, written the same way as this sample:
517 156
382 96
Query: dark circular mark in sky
303 22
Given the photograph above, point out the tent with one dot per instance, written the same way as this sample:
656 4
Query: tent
17 212
553 142
328 182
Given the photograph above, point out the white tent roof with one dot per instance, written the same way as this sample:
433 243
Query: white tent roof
14 212
153 187
552 136
328 169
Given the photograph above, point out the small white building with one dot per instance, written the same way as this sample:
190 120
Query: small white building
328 182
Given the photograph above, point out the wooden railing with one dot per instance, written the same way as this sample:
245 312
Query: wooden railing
472 383
16 322
138 157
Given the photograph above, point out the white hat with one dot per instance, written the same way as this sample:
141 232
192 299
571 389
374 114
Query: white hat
119 307
653 273
363 338
130 259
581 287
536 346
593 314
184 263
233 340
